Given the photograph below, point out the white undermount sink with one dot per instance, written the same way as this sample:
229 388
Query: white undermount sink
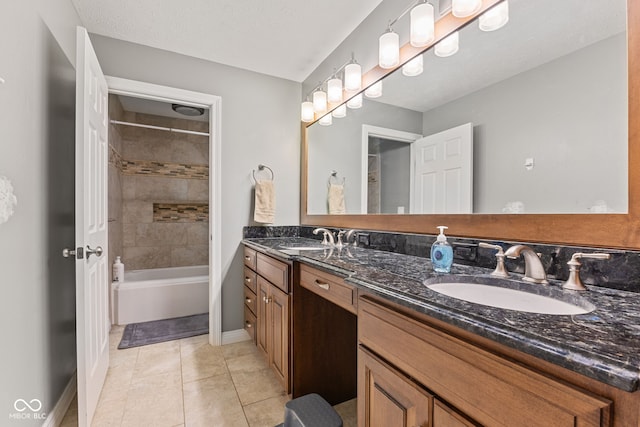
303 248
511 299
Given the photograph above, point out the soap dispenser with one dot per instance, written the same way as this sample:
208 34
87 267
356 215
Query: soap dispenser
441 253
118 270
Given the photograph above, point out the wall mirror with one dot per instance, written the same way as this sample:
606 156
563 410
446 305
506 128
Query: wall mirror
547 99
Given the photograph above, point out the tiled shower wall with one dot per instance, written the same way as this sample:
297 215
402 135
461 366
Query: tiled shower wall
168 170
115 183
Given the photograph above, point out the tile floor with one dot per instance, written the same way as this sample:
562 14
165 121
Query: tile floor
190 383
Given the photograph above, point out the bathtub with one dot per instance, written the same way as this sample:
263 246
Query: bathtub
160 293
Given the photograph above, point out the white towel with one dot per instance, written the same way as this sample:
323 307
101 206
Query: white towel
265 202
336 199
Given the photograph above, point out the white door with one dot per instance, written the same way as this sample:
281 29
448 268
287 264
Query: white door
443 172
92 303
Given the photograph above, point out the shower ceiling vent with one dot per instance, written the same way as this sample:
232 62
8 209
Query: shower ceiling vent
187 110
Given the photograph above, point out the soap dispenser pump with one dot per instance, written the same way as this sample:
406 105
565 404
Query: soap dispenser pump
441 253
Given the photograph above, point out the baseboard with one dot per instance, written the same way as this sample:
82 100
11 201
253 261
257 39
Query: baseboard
58 412
238 335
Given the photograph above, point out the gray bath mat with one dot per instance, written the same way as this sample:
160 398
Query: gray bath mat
144 333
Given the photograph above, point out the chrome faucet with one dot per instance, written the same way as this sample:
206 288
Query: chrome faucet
573 282
501 270
327 236
533 268
348 235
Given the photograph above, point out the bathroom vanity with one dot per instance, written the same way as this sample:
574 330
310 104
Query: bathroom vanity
364 323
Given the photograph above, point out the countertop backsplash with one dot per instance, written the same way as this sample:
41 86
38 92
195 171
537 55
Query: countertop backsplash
622 271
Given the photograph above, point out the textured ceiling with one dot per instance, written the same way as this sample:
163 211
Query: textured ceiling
282 38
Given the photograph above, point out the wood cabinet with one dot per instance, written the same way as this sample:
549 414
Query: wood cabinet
488 389
267 309
329 287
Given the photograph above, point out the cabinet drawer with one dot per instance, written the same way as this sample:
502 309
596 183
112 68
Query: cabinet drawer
328 286
464 374
250 258
250 323
250 299
250 279
274 271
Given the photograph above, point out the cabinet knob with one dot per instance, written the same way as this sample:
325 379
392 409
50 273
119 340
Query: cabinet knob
247 279
247 257
248 300
248 324
266 300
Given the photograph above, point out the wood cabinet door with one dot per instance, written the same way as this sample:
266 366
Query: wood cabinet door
387 398
279 334
443 416
262 338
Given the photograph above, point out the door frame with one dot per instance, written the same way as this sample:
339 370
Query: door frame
120 86
386 133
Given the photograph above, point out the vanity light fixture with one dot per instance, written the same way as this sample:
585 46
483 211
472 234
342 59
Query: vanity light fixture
374 91
326 120
464 8
334 90
319 100
447 46
389 49
340 112
414 67
353 76
495 18
355 102
306 111
422 24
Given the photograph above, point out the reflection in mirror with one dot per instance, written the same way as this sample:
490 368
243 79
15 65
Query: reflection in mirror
546 97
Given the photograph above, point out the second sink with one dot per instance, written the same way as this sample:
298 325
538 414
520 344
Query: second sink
513 295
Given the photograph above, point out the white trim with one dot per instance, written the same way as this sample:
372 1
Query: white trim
55 417
154 92
386 133
231 337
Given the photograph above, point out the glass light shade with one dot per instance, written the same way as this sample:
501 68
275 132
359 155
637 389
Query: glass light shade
495 18
464 8
413 67
306 112
389 50
374 91
326 120
334 91
353 77
319 101
422 25
447 46
355 102
340 112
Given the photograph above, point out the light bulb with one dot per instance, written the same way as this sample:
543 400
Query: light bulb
422 25
495 18
353 77
326 120
389 50
374 91
355 102
334 90
413 67
340 112
306 112
464 8
319 101
447 46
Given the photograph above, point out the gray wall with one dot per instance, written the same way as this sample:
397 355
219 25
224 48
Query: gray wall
395 159
37 155
570 115
339 146
260 124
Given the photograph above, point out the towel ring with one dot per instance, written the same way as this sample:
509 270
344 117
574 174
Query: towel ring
261 168
334 175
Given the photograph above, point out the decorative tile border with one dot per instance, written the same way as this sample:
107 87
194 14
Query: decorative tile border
166 169
180 212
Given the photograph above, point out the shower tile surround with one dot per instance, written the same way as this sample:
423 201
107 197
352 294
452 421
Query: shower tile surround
621 272
160 199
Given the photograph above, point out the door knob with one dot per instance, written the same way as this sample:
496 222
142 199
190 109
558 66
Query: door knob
97 251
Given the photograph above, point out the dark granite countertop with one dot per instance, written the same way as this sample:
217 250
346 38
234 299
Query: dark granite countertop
603 344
